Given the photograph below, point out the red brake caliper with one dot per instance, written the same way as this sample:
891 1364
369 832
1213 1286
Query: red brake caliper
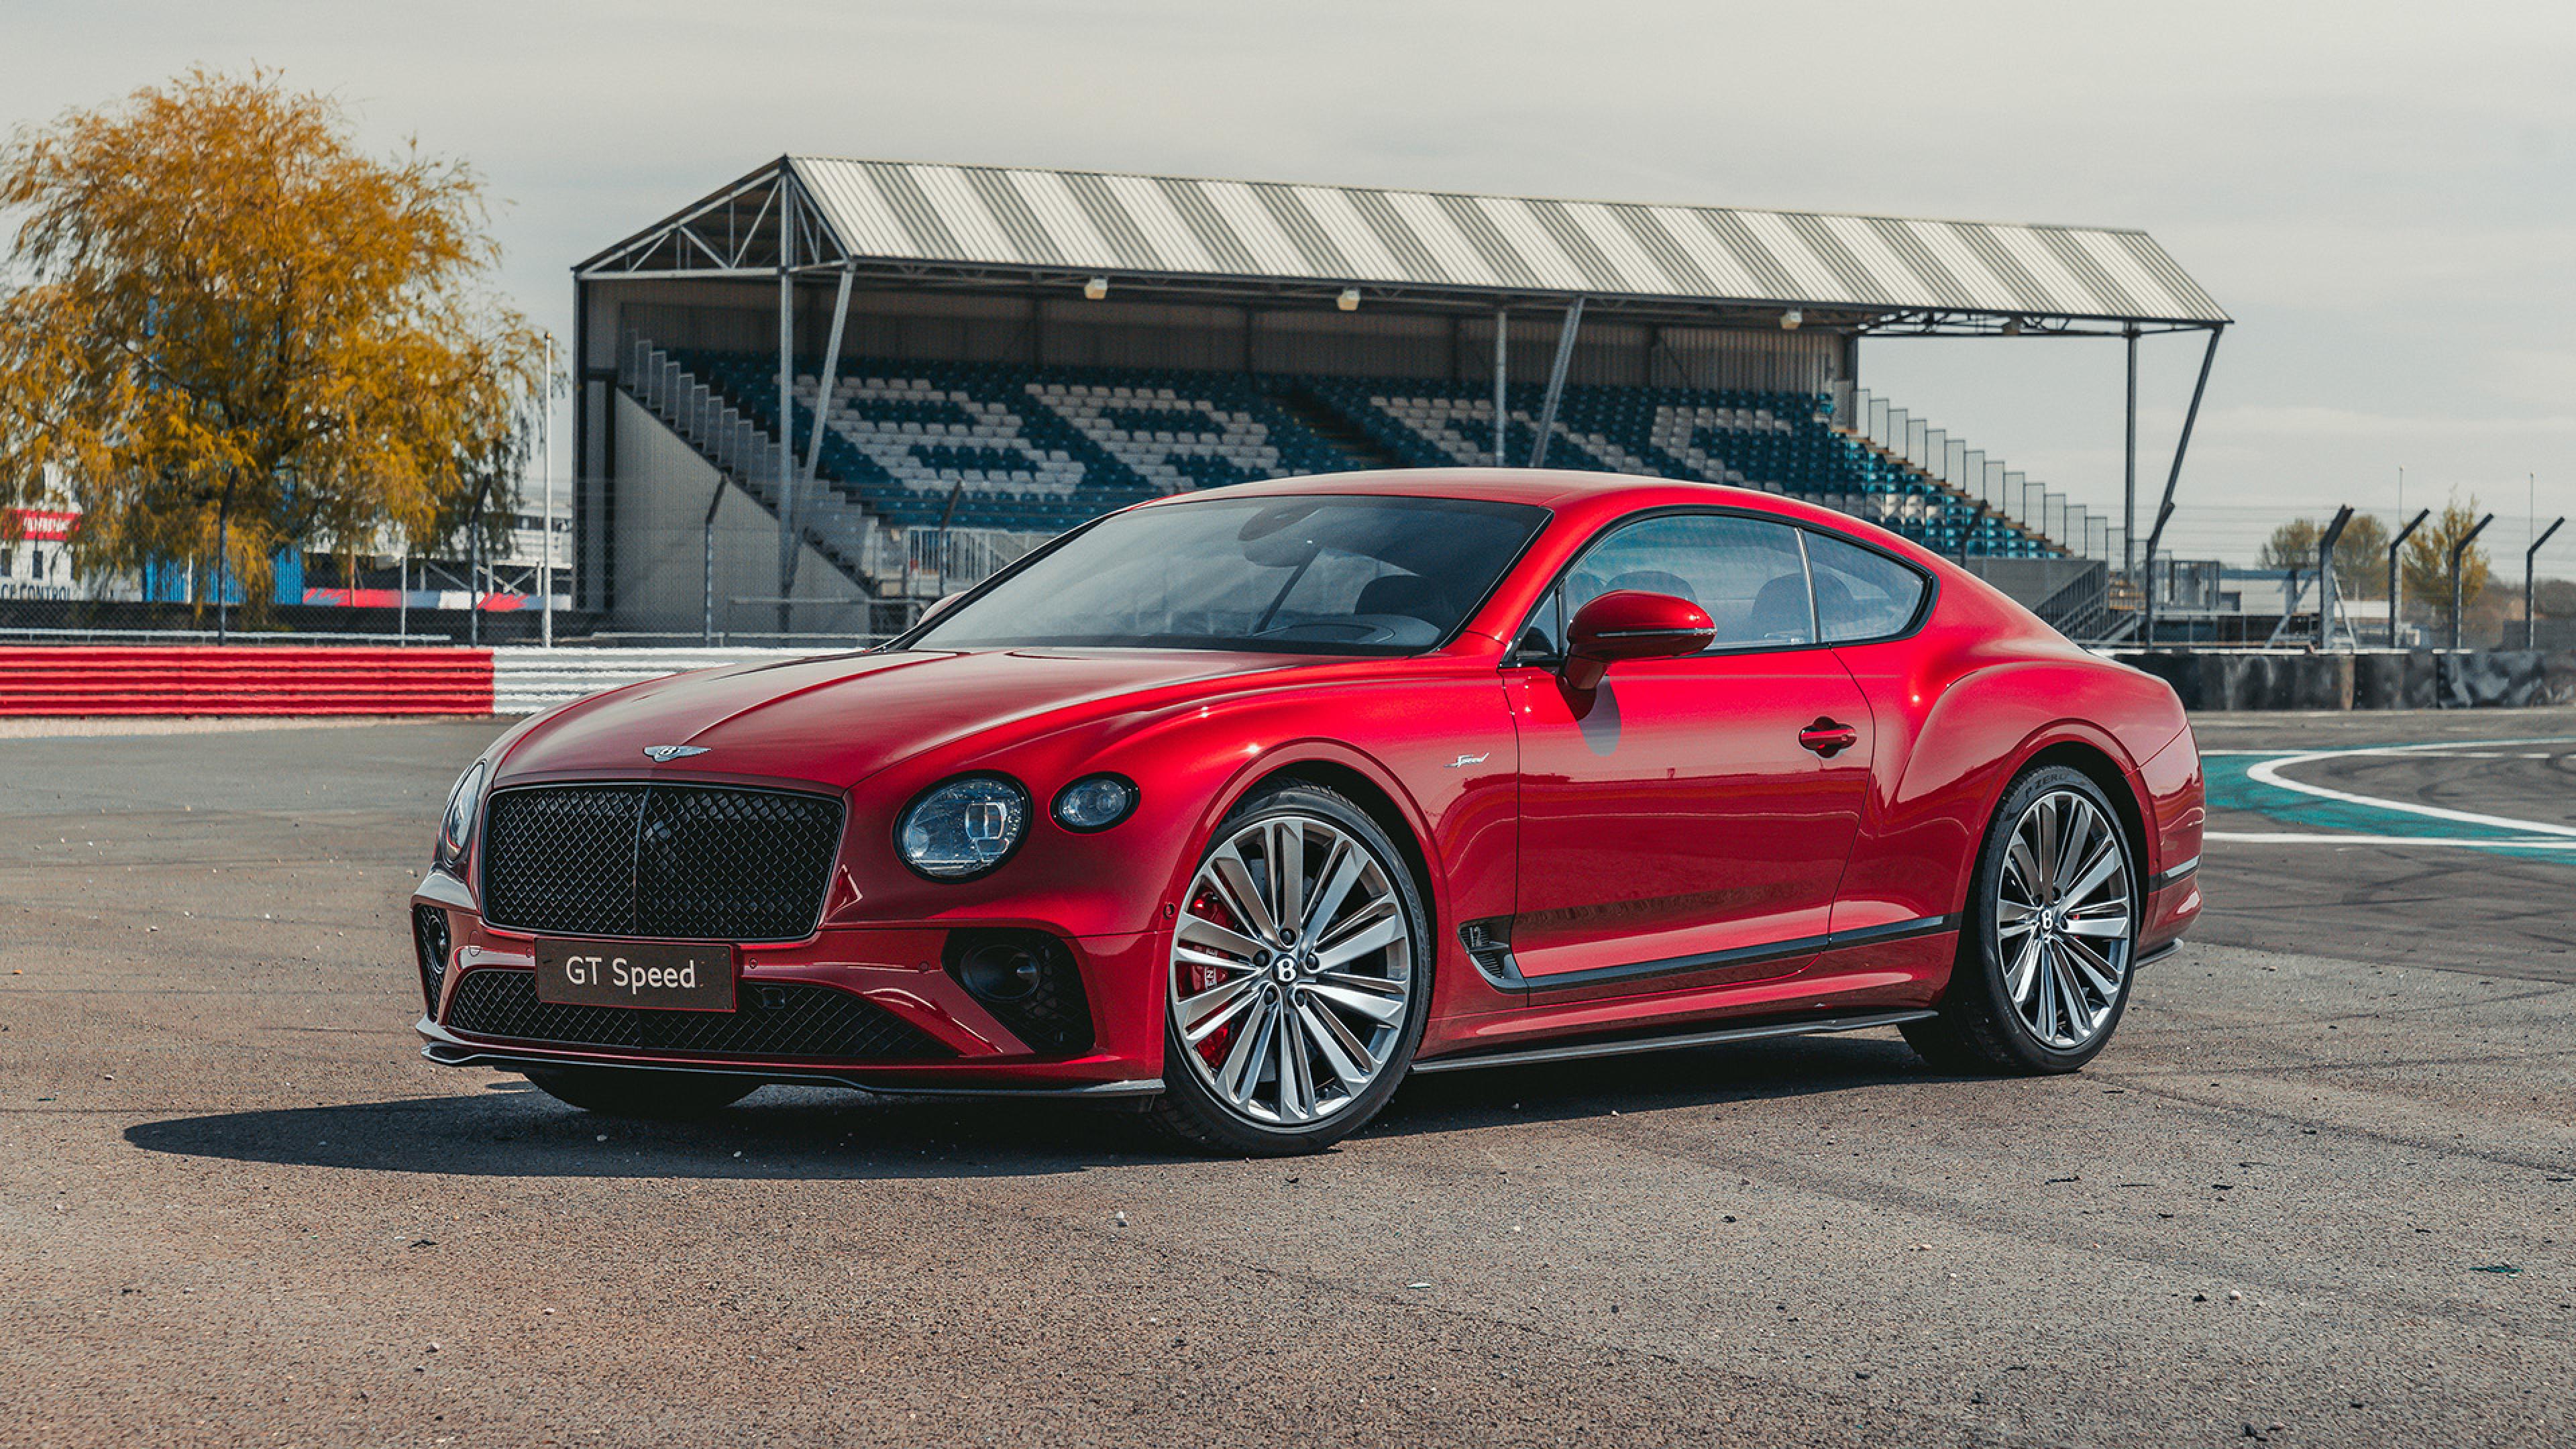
1208 905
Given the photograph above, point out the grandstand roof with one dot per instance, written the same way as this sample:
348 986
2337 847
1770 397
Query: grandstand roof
978 226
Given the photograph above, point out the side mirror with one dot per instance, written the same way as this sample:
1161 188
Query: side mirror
1629 624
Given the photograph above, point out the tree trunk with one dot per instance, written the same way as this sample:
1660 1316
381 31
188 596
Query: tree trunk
223 563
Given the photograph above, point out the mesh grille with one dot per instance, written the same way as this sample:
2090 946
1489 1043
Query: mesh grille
692 862
773 1020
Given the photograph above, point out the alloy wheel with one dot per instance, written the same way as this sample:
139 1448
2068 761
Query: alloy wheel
2062 918
1292 971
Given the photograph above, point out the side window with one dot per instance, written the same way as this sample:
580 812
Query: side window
1747 573
1860 594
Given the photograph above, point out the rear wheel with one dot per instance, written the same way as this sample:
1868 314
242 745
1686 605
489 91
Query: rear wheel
2050 935
634 1092
1298 979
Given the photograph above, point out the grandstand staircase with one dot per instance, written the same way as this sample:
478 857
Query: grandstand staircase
1328 423
748 457
1943 486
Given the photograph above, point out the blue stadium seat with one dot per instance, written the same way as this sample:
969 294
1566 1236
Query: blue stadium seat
1033 449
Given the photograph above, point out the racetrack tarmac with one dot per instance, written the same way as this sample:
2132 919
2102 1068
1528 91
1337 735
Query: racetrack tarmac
2318 1193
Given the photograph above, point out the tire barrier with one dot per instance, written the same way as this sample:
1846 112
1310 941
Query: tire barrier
261 679
2248 679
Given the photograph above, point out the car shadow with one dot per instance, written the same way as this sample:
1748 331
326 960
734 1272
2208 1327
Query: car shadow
1707 1076
510 1129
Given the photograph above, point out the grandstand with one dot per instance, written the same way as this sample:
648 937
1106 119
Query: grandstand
973 360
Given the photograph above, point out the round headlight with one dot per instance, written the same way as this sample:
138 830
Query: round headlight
1095 802
456 827
963 828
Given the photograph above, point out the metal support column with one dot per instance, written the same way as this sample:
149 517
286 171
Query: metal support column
1502 369
1556 381
2394 545
2530 558
2325 576
707 543
824 383
2129 474
546 509
2457 550
2165 509
787 539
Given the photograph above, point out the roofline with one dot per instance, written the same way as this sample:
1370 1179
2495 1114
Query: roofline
795 156
1671 307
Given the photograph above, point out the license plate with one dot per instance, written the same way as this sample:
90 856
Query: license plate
654 975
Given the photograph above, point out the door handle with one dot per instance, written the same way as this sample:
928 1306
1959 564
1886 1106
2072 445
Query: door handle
1827 737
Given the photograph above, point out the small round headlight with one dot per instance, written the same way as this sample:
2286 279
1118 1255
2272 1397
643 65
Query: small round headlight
963 828
1095 802
456 827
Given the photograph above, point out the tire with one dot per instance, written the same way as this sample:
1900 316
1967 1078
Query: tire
1271 1026
650 1094
2050 936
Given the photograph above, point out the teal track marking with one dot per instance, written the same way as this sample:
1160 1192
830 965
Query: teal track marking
2233 785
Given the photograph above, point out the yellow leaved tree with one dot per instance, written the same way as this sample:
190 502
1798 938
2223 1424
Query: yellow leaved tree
229 331
2428 558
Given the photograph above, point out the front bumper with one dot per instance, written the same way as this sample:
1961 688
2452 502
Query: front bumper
895 969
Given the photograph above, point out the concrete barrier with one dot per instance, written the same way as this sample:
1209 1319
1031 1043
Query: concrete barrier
279 679
527 680
2261 679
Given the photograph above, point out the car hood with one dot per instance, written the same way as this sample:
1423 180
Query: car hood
838 719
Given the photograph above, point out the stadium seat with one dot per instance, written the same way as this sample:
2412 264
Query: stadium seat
1040 449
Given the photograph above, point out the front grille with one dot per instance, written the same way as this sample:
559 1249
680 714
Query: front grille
685 862
772 1020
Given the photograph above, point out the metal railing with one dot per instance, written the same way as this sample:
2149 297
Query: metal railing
1976 476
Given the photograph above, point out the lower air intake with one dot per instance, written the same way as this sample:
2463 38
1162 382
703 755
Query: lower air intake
774 1020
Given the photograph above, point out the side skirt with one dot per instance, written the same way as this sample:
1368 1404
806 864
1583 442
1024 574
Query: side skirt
1624 1046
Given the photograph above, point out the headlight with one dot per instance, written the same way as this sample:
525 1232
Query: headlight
1095 802
456 827
963 828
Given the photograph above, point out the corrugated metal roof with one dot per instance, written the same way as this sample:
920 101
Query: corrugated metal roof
1182 227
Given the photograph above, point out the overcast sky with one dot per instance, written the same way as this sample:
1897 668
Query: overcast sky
2380 194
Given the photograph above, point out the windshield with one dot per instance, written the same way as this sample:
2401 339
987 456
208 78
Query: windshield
1326 575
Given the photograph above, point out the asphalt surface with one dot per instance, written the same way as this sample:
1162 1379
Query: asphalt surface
2321 1193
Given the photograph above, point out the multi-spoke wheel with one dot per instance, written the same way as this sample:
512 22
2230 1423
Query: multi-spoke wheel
2045 952
1296 978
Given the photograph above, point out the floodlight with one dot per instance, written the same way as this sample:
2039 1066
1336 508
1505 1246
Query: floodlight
1096 288
1349 301
1790 319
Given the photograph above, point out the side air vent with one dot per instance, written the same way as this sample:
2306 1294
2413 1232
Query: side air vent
1489 945
429 942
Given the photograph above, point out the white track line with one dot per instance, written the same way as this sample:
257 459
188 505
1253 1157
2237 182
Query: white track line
2257 837
2268 773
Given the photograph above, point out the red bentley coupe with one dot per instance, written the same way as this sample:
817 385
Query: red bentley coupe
1245 804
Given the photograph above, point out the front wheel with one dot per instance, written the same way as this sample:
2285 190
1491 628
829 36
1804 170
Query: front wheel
639 1092
1298 981
2050 935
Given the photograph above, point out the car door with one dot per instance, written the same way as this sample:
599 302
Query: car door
1686 816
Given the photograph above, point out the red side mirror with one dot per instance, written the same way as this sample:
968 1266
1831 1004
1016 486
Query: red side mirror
1629 624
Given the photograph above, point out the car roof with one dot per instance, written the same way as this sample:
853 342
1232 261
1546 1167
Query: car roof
1545 487
1586 497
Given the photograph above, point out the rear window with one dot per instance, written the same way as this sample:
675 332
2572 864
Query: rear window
1860 594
